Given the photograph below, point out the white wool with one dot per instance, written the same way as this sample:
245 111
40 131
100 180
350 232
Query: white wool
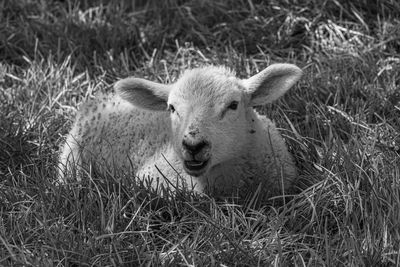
245 150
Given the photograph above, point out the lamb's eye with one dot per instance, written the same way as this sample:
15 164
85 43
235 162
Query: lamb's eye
233 105
171 108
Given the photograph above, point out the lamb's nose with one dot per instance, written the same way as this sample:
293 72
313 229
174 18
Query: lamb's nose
194 148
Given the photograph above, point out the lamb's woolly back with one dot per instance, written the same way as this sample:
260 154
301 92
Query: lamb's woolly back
109 132
212 137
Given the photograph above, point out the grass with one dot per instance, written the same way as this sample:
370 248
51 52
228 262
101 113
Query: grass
341 122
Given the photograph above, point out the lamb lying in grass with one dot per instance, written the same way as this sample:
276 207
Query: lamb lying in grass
201 132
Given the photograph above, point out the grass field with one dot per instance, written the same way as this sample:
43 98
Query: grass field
341 122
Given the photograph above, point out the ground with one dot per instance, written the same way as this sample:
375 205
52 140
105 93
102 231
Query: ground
341 122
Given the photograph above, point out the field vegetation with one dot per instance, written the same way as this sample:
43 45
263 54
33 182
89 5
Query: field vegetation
341 122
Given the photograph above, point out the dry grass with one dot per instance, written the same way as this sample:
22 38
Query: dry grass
341 122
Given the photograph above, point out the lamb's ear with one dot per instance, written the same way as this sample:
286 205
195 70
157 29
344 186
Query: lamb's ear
271 83
143 93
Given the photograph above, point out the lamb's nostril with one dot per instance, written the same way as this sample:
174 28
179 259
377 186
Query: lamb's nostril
194 148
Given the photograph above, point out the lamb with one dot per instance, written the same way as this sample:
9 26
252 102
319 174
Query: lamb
201 132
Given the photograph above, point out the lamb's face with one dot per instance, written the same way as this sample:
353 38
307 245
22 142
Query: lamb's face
208 109
208 117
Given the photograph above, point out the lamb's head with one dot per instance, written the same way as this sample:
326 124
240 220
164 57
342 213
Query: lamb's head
210 109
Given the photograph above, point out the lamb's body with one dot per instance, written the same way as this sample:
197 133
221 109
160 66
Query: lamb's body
111 133
116 135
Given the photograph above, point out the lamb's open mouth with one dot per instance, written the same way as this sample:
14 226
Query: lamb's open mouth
195 167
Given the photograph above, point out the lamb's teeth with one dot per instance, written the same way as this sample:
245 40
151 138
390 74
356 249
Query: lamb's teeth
196 163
